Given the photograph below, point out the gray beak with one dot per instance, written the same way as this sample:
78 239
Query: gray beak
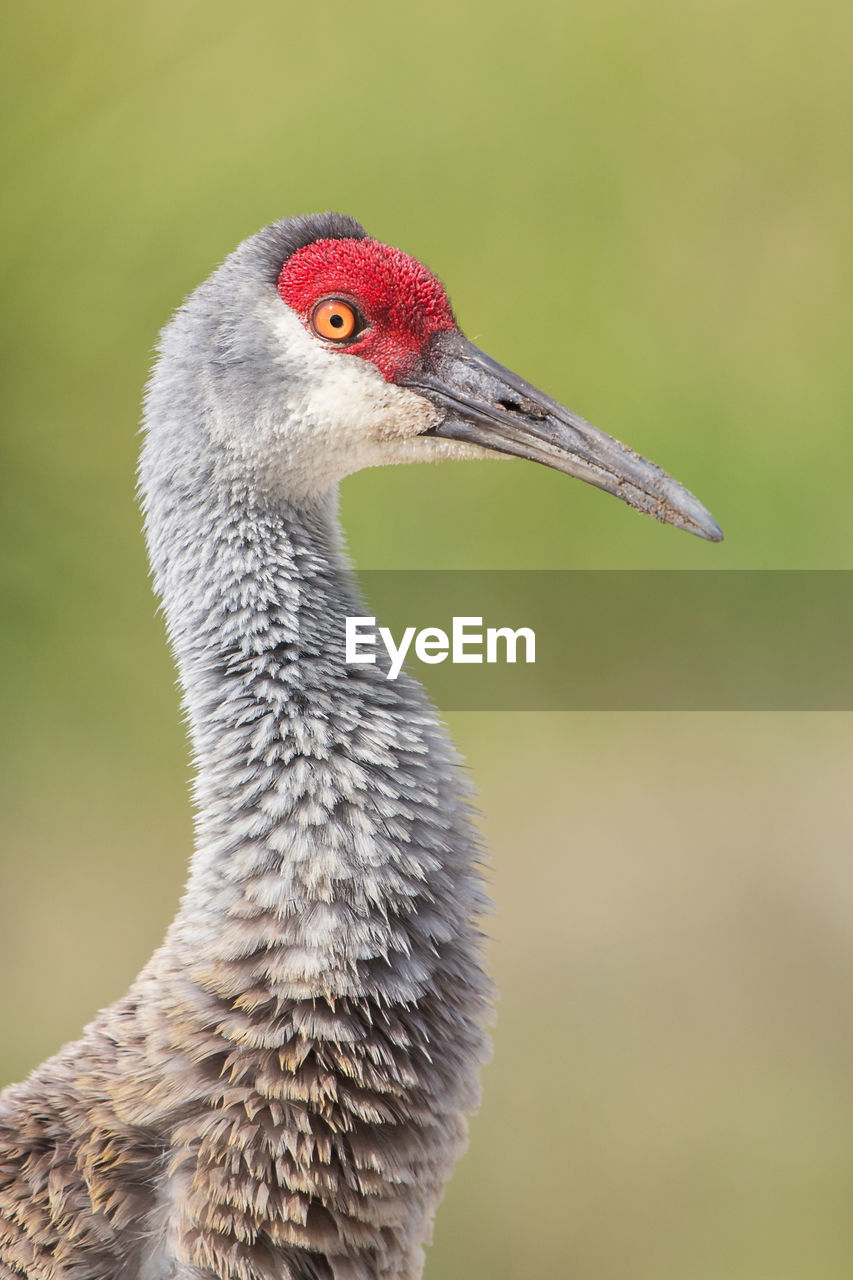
488 405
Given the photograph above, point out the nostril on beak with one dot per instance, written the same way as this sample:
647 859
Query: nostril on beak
525 408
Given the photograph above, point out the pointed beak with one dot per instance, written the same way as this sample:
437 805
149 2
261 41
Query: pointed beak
487 405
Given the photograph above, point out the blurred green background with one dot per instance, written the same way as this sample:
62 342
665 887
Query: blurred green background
647 210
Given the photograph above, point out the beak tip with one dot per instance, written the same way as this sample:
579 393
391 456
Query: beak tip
709 529
684 510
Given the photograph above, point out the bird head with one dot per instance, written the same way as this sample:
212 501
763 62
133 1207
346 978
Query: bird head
319 351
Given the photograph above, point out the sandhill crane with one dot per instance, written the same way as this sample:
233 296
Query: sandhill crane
282 1093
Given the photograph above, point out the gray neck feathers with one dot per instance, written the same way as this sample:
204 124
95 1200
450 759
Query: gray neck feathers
334 845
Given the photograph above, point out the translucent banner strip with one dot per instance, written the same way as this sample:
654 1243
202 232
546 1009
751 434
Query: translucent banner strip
613 640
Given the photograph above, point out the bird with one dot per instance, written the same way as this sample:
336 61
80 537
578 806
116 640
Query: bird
283 1091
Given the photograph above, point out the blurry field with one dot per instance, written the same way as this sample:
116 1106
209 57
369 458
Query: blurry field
646 210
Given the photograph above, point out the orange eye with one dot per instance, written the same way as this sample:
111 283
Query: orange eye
334 319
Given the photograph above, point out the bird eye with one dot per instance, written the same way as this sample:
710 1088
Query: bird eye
335 320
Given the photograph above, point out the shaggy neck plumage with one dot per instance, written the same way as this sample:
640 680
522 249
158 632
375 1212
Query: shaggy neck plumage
330 829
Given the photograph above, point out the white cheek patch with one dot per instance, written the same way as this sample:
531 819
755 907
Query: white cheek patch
330 414
354 398
336 414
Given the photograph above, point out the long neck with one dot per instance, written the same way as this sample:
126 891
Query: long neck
332 836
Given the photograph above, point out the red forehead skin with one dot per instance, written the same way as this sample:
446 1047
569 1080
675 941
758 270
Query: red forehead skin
404 305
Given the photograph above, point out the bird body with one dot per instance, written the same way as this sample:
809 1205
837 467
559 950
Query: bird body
282 1093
